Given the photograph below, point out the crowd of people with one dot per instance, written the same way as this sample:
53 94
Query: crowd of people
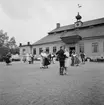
28 58
63 56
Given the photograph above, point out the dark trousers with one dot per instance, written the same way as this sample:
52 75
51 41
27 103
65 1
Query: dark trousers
83 60
62 66
72 64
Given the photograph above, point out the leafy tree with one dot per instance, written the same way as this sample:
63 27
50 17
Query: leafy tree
7 44
12 43
3 38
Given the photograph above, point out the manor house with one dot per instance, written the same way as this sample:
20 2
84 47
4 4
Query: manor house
85 36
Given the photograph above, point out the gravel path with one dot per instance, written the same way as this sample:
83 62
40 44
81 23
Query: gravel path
24 84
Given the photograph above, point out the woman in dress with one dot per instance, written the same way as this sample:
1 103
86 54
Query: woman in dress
77 61
7 58
42 59
67 60
46 60
72 58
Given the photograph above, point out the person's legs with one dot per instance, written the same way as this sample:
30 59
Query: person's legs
61 67
72 64
83 60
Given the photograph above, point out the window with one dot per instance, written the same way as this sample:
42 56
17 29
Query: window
54 49
23 51
40 50
34 51
95 47
81 48
47 49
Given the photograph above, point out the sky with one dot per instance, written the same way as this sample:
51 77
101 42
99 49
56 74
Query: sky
31 20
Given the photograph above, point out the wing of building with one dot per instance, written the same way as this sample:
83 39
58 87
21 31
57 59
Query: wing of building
87 37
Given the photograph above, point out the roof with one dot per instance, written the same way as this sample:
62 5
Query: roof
49 38
85 32
25 45
85 24
88 32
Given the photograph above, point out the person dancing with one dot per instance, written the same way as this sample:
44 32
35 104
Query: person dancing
61 59
67 60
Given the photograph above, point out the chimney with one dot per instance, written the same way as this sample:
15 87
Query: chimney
28 43
20 44
58 25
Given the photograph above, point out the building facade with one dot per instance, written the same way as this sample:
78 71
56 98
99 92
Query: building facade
81 36
24 49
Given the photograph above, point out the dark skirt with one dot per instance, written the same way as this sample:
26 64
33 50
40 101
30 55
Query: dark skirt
77 61
46 62
7 60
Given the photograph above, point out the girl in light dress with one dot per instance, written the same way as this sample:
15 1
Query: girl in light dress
42 59
67 60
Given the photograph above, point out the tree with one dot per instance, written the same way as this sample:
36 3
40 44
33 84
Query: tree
6 44
12 43
3 38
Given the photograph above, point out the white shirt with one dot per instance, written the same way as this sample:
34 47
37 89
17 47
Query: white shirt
67 53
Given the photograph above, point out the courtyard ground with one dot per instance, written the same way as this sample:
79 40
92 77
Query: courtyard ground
27 84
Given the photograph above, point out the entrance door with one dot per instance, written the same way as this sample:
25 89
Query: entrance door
71 49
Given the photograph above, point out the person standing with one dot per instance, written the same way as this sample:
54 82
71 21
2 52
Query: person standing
42 59
29 59
67 60
53 58
82 55
32 59
61 59
7 58
72 58
46 59
76 61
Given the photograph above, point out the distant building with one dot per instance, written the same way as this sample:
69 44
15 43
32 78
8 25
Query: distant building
85 36
24 49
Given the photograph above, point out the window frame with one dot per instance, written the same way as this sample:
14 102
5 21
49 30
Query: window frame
95 47
33 51
81 47
47 49
40 50
54 49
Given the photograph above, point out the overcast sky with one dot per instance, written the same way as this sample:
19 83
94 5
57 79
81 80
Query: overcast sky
30 20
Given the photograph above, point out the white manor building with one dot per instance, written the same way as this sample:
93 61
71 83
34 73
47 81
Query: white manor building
85 36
